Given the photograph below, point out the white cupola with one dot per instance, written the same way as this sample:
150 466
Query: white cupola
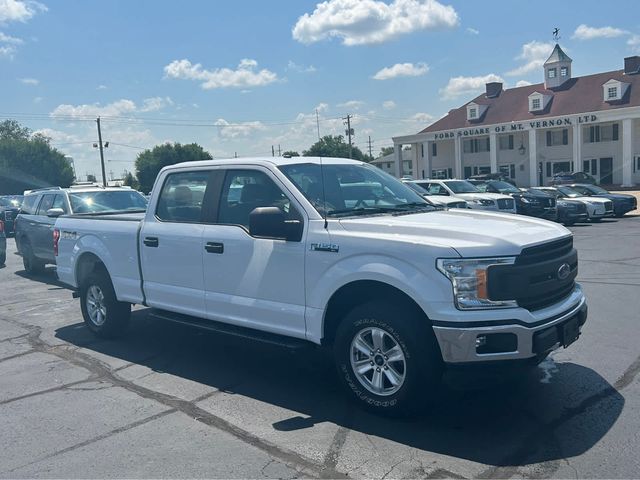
557 68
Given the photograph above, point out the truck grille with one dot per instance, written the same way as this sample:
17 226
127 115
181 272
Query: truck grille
581 208
608 207
533 280
505 203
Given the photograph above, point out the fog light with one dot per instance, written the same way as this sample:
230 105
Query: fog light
496 343
481 340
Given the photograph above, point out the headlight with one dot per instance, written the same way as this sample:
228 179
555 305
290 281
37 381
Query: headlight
485 202
470 281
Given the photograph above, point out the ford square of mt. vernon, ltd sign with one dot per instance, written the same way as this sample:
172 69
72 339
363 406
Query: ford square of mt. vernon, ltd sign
513 127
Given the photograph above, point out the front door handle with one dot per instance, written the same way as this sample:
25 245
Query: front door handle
214 247
151 241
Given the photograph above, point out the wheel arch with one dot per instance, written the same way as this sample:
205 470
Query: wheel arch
88 263
359 292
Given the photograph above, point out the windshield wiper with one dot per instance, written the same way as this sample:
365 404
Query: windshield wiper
402 208
359 211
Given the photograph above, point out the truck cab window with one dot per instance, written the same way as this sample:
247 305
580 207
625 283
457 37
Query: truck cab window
182 196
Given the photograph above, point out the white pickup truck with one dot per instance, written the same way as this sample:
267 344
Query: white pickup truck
331 252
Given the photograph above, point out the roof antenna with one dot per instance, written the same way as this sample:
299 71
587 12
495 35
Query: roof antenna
324 195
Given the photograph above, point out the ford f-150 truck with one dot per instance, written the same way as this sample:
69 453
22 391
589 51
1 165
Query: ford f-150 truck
331 252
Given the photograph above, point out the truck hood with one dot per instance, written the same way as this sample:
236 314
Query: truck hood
471 233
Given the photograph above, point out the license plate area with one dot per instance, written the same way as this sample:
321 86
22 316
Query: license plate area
570 331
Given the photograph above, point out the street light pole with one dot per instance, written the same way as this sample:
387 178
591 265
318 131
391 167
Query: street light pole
104 176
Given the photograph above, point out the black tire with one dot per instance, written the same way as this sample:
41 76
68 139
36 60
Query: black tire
596 220
114 316
569 223
3 258
31 264
619 214
411 332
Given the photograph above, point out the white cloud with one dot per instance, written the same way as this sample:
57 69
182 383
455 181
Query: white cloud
322 107
362 22
458 86
534 55
19 10
402 70
422 117
244 129
115 109
292 66
634 43
244 76
7 51
101 87
584 32
353 104
156 103
522 83
388 104
472 31
30 81
4 38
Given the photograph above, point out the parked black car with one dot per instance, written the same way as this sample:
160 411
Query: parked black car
565 178
622 203
9 208
569 211
3 245
528 202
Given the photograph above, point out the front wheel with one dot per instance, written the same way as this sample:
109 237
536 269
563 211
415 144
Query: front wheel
388 358
102 312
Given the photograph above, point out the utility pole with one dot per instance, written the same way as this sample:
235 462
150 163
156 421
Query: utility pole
104 175
273 151
370 154
318 123
349 132
279 151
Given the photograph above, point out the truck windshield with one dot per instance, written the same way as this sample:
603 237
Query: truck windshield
106 201
353 189
461 186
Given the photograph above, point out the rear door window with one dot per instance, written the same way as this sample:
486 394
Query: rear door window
60 202
45 204
182 197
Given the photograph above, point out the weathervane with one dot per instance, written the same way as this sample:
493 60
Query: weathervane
556 34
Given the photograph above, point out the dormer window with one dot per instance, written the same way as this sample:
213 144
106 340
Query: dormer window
551 73
535 104
564 71
538 101
614 90
473 113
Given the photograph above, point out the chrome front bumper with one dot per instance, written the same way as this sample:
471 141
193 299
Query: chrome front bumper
459 344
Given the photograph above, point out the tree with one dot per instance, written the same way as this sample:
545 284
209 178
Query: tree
130 181
28 161
333 146
384 151
150 162
290 153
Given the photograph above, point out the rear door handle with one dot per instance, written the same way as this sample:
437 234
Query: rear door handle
151 241
214 247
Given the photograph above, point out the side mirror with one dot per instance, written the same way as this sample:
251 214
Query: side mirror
270 222
55 212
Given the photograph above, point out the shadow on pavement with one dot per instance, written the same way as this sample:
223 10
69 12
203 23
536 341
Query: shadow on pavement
48 276
504 424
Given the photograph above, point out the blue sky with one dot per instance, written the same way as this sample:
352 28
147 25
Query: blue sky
240 76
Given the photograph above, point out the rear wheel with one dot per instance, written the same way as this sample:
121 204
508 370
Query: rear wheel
102 312
596 220
388 359
31 264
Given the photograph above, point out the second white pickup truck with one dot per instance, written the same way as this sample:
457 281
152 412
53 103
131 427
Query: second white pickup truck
331 252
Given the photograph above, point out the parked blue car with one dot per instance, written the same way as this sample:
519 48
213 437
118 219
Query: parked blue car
622 203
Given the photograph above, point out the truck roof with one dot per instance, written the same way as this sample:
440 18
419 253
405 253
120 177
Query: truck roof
264 161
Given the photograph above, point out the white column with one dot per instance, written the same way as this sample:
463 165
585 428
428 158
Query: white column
427 160
533 158
577 147
397 163
493 152
458 157
415 159
627 152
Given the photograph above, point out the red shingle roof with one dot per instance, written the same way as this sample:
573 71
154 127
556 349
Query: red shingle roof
575 96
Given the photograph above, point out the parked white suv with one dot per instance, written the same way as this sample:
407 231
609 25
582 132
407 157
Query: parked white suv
448 202
469 192
332 252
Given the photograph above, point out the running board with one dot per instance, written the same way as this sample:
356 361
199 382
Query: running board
227 329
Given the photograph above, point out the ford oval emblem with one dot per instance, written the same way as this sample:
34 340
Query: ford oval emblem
564 271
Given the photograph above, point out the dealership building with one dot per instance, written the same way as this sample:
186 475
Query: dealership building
589 123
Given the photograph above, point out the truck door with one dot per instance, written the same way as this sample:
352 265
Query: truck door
171 245
253 282
41 228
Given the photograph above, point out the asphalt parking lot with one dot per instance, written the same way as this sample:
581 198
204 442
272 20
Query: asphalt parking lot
170 401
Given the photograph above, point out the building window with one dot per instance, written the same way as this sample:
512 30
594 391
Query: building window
506 142
551 73
467 172
476 145
434 149
557 137
564 71
602 133
508 170
612 92
473 113
535 104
